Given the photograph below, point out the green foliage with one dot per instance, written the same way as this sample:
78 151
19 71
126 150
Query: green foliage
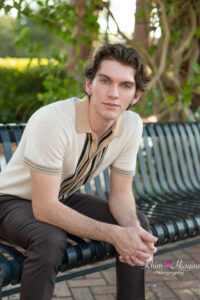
70 27
173 56
192 83
18 94
170 99
197 114
144 107
197 32
59 83
24 38
152 49
196 67
23 92
66 28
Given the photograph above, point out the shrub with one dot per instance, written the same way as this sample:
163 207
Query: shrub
23 89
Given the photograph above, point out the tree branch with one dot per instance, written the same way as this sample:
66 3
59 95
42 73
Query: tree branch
187 40
48 20
131 42
165 44
194 56
174 82
181 11
188 54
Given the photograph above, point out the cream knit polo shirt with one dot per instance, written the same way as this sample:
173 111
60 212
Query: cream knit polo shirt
58 140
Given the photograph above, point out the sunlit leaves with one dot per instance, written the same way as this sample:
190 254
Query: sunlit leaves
23 38
196 67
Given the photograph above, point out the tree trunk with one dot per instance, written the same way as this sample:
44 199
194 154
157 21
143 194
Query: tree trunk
142 24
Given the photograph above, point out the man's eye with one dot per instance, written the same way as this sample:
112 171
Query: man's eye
126 86
104 80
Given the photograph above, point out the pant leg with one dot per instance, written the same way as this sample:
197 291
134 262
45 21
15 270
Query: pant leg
45 246
130 280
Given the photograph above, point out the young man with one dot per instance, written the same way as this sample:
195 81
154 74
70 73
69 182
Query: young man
64 145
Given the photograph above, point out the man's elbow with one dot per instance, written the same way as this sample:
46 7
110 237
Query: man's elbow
39 213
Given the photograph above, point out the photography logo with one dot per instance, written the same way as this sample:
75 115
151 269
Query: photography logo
171 267
168 264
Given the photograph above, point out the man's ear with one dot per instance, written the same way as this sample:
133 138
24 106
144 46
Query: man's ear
136 97
88 86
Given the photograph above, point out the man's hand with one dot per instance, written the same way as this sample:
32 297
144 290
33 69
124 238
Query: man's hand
134 245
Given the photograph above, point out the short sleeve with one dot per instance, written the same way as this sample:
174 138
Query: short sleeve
125 163
46 142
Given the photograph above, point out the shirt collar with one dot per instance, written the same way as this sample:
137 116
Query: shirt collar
83 122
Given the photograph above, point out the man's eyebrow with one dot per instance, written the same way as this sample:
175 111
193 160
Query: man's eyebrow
125 81
103 75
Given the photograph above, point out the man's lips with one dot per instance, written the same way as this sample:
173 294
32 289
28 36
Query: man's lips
111 105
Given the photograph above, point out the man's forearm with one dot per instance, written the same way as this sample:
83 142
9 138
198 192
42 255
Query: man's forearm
48 209
75 223
125 240
123 208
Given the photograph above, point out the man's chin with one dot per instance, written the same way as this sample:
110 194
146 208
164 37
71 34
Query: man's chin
111 118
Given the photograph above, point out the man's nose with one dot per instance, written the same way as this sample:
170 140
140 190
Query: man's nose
113 91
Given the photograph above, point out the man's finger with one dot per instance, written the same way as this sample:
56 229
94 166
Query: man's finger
121 258
152 247
144 256
148 237
127 260
138 261
143 246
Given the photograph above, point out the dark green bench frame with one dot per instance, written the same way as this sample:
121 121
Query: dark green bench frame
166 189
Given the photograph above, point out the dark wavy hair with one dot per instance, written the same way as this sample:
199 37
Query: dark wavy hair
123 54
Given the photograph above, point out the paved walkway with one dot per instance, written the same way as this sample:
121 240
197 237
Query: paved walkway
166 278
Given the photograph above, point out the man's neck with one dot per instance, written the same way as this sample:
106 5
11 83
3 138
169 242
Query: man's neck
99 126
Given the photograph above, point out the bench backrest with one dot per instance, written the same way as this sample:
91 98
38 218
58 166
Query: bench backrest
168 159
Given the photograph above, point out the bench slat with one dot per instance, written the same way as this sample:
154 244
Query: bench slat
193 161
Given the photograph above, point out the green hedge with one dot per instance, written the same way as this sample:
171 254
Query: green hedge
22 93
18 94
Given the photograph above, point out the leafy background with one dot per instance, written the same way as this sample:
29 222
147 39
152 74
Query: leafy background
44 48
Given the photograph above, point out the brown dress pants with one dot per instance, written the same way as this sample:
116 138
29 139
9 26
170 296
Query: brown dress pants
45 245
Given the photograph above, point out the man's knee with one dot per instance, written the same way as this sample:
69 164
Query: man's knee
48 244
143 220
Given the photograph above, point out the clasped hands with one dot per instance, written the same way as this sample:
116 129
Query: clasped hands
136 246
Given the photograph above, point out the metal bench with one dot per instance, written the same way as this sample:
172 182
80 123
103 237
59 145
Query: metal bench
166 189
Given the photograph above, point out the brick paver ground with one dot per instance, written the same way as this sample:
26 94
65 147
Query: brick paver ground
174 275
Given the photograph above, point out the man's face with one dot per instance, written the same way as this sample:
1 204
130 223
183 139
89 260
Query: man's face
112 90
